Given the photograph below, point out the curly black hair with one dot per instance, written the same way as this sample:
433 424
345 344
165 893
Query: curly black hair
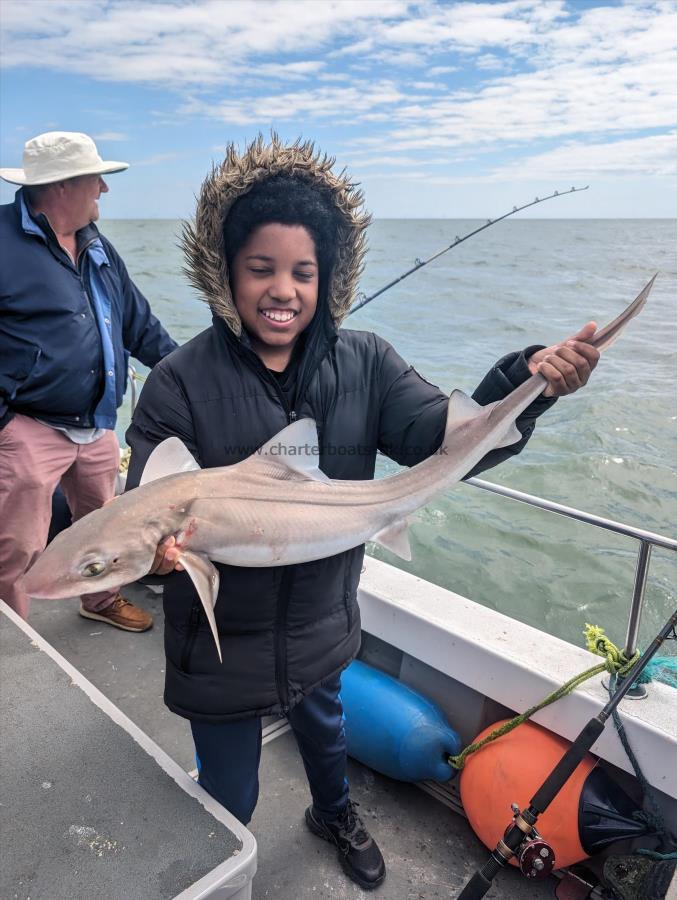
284 200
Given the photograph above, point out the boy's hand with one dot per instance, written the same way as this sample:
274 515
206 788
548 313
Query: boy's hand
167 558
568 365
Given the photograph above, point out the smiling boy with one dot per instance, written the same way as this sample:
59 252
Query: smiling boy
277 250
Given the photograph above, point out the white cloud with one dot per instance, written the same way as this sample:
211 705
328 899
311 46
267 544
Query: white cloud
653 155
552 74
156 159
110 136
199 43
490 61
360 101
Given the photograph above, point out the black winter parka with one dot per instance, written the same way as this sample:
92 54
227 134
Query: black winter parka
285 629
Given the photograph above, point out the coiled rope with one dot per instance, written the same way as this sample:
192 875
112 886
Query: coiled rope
615 663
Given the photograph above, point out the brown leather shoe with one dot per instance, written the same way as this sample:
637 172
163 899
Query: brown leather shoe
121 614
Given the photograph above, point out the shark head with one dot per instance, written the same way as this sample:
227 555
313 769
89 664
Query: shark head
100 552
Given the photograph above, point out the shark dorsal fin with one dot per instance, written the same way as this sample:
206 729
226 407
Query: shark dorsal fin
168 458
295 450
461 407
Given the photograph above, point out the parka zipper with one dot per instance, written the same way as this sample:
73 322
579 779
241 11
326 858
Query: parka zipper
193 625
284 593
291 414
281 638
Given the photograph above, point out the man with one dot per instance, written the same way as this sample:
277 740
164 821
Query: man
70 317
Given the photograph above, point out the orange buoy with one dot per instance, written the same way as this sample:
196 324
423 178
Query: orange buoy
510 770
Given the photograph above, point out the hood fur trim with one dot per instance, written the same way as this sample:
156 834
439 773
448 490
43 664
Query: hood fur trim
202 239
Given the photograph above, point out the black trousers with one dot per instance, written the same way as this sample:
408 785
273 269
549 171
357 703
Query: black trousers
228 754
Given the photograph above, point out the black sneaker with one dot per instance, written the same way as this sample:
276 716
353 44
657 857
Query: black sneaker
358 853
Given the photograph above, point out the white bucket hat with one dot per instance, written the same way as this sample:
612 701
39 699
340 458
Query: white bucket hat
58 155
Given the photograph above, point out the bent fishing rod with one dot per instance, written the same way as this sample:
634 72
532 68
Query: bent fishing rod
535 857
419 263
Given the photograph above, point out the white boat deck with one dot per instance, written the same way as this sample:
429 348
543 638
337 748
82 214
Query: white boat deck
430 851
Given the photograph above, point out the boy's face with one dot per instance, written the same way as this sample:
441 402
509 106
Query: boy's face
275 283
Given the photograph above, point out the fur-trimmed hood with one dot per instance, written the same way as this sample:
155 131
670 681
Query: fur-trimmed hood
202 239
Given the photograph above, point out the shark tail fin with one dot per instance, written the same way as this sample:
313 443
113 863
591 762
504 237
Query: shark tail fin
608 335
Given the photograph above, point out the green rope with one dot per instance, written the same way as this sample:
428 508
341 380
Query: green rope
616 663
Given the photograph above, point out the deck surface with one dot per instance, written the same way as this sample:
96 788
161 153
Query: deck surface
429 850
85 809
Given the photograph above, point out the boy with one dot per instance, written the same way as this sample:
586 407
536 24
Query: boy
277 250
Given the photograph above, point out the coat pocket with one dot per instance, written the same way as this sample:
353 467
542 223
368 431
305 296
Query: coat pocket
348 603
191 637
350 582
18 359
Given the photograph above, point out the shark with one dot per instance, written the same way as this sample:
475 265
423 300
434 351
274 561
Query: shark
276 507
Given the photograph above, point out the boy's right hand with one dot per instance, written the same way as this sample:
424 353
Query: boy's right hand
167 558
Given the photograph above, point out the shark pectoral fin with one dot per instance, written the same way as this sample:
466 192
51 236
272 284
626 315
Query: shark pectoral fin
205 577
395 538
168 458
295 451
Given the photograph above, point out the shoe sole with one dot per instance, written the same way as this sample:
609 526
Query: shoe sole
86 614
319 831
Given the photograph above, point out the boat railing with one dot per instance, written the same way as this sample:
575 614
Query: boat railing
647 540
132 375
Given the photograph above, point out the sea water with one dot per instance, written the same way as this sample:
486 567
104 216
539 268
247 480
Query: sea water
610 449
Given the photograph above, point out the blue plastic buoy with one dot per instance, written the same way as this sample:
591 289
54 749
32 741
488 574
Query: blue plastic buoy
394 730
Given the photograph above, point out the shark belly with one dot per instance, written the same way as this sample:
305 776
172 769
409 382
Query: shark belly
250 533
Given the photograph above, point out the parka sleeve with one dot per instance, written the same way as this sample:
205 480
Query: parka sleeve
413 412
162 412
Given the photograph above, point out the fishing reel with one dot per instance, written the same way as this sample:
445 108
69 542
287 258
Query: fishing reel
535 857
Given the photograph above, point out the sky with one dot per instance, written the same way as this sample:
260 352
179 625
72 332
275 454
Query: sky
438 109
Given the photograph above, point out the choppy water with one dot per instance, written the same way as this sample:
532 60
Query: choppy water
610 449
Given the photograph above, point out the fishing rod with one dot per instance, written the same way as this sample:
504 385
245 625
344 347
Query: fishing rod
419 263
535 857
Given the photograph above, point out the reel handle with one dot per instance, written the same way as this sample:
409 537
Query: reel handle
480 883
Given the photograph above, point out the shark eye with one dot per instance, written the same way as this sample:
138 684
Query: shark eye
94 568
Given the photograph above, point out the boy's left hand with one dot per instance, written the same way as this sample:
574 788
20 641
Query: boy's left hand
567 365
